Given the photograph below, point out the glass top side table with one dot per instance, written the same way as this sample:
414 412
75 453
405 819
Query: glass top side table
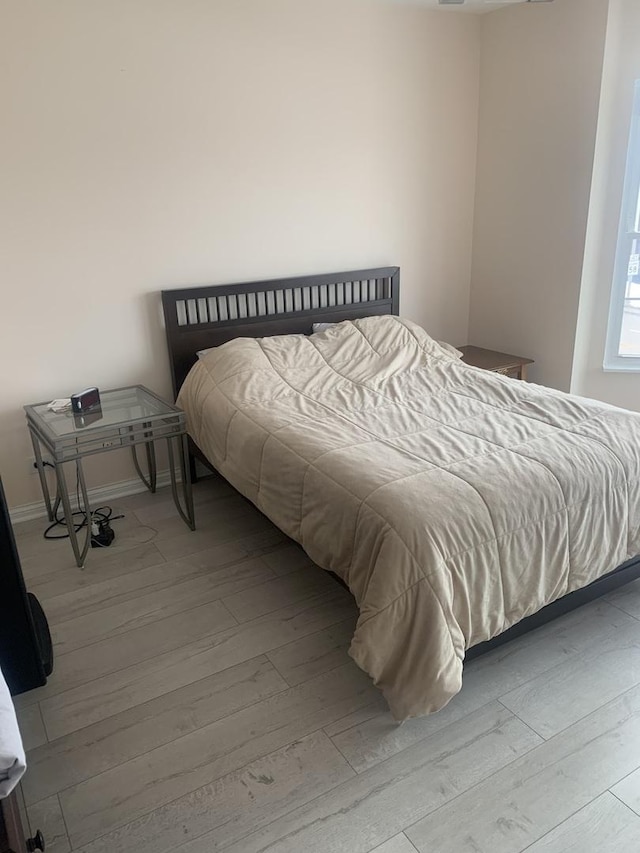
126 417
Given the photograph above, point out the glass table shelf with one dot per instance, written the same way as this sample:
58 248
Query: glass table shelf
125 418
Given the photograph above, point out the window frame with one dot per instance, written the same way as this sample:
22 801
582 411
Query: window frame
628 230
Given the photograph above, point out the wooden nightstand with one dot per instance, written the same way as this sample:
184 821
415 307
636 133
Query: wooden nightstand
514 366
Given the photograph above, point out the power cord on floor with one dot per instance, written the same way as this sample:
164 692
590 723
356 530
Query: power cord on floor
99 517
102 534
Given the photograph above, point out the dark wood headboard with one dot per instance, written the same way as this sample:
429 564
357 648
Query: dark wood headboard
200 317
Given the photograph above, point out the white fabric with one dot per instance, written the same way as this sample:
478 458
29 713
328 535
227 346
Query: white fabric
12 759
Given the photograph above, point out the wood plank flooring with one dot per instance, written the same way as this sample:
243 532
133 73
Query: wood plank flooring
203 700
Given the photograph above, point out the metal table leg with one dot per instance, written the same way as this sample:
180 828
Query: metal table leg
150 483
51 509
63 496
151 464
187 514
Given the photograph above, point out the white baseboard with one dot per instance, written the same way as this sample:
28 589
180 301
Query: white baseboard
97 497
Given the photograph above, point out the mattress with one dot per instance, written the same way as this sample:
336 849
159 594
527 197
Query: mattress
452 501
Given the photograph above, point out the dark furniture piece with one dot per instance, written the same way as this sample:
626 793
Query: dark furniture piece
202 317
514 366
26 659
26 652
15 835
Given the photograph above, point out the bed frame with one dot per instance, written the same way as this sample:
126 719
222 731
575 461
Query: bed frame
200 317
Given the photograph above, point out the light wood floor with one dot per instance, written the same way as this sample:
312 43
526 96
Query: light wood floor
203 700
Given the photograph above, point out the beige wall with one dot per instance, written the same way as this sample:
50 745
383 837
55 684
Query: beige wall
540 81
156 143
621 69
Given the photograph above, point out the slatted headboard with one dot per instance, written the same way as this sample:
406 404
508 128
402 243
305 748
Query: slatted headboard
201 317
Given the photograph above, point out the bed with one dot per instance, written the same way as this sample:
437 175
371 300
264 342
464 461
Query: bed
460 507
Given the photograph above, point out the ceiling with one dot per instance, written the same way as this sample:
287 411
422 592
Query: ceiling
478 7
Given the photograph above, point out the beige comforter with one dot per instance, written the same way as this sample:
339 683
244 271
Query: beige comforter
452 501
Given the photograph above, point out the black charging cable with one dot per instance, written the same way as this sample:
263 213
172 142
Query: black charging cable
102 516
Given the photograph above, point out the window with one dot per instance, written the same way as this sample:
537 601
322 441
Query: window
623 334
